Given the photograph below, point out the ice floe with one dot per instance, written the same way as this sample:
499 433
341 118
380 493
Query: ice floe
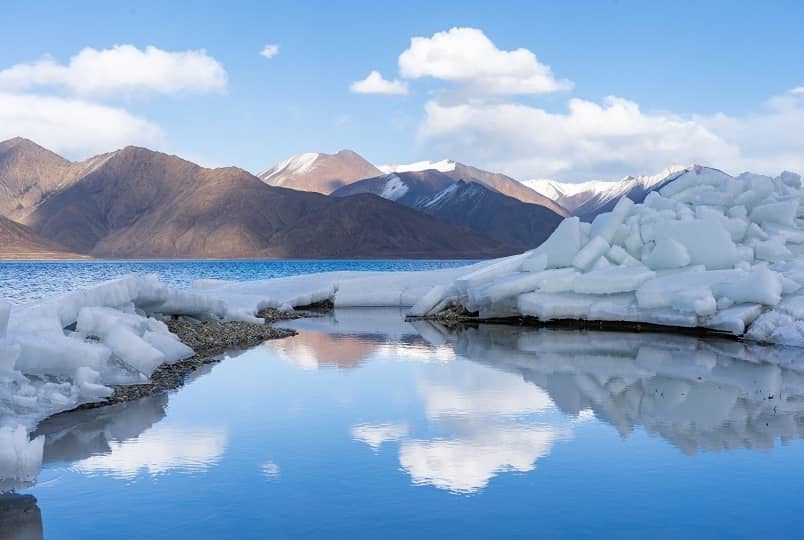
708 250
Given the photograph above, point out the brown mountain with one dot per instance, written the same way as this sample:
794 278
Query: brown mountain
140 203
406 188
471 205
19 242
30 173
320 173
505 185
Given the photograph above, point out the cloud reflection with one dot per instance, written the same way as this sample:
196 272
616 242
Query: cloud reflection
465 465
375 435
157 451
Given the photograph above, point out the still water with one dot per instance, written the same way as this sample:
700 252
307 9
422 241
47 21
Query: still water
366 426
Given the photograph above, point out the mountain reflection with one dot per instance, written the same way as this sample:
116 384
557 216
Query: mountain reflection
346 338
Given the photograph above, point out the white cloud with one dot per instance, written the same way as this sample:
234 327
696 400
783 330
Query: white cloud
611 139
797 90
376 84
123 69
270 50
74 127
467 56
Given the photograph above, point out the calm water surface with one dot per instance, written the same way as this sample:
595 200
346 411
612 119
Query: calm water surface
25 281
365 426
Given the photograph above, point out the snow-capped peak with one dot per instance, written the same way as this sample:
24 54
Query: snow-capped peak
572 195
297 164
445 165
556 189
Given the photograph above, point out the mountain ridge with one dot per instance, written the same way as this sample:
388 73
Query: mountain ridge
137 202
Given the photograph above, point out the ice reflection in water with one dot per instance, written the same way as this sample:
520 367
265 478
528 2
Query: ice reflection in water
697 394
486 406
122 440
374 418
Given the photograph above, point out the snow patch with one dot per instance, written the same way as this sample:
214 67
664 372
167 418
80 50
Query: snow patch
445 165
281 172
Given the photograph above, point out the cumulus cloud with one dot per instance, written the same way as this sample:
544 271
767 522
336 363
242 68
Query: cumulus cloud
375 83
74 127
123 69
467 56
270 50
613 138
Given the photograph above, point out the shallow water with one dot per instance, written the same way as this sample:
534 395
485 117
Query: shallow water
364 426
26 281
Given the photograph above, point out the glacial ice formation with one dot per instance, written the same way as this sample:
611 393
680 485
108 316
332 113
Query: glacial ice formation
708 250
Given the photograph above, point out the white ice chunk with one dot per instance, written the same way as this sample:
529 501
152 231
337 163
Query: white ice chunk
783 213
667 253
590 253
133 350
772 250
565 242
734 319
169 345
706 241
58 355
612 280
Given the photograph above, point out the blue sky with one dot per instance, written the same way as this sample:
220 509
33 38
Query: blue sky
709 82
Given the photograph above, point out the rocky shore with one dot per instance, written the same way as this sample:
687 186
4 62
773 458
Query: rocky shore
209 340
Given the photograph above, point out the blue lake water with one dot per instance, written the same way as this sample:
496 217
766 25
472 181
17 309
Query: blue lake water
25 281
367 426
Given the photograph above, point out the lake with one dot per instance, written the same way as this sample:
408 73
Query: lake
26 281
367 426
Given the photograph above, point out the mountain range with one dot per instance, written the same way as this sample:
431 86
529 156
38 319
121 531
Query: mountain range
469 204
139 203
588 199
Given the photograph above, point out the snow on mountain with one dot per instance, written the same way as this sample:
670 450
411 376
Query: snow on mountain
394 188
468 204
282 171
406 188
495 181
587 199
445 165
319 172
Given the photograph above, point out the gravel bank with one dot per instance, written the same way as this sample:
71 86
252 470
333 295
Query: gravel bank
209 340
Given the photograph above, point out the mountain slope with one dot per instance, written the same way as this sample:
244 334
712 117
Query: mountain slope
367 226
320 173
496 181
507 219
406 188
140 203
19 242
467 204
29 174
